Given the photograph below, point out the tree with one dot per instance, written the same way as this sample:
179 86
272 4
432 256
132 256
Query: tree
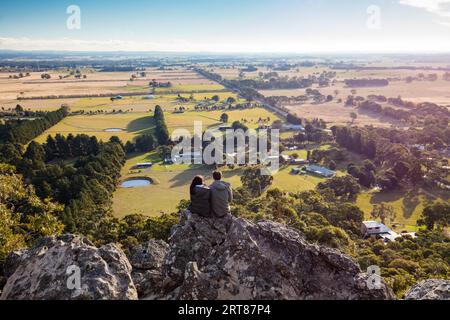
19 108
255 182
383 212
346 188
300 137
332 165
215 98
116 140
10 153
144 143
277 124
25 131
51 151
162 133
436 214
129 147
35 152
24 218
238 125
231 100
63 147
164 152
415 173
159 113
293 119
354 116
224 118
401 168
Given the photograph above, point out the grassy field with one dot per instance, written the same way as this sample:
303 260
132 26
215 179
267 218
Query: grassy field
233 73
132 124
171 185
212 118
135 103
336 113
191 88
287 181
408 206
95 83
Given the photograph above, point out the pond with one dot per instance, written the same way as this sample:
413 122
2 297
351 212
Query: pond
113 130
136 183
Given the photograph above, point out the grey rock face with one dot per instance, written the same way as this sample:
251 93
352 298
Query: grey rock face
432 289
49 270
149 255
214 259
234 259
147 261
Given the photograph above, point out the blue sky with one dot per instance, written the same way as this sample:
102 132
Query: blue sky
229 25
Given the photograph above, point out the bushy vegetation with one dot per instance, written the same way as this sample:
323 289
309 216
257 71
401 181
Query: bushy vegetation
397 159
161 131
329 219
24 217
26 130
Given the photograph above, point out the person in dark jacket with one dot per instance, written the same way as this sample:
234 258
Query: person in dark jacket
200 198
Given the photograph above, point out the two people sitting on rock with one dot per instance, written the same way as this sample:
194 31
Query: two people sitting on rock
212 201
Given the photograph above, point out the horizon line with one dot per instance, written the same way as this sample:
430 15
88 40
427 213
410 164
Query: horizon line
429 52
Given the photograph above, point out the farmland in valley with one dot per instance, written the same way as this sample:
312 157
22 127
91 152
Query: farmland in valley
132 116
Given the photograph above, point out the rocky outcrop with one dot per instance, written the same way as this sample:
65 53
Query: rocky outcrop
214 259
147 261
49 271
234 259
432 289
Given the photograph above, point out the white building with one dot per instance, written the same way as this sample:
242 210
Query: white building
377 229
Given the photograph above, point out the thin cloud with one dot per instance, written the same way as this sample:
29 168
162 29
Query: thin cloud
312 44
69 44
437 7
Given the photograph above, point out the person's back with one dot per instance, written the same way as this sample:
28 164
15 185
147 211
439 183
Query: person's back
200 197
221 196
201 201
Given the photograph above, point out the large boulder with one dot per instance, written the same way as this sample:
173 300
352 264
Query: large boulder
149 256
147 261
432 289
232 258
49 271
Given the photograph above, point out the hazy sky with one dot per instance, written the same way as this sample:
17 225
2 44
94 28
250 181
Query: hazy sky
229 25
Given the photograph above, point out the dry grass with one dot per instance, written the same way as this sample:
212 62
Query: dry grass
96 83
133 124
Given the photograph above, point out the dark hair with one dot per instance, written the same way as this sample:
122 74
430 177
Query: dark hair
198 181
217 175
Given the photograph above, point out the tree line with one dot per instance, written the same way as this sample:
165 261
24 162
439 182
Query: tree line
394 161
24 131
84 186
